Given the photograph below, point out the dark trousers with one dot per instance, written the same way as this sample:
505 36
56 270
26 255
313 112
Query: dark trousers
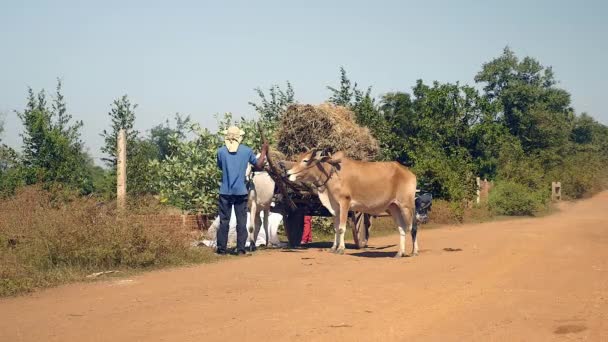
240 209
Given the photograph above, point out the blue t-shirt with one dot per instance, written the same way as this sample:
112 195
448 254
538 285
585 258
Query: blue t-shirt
234 167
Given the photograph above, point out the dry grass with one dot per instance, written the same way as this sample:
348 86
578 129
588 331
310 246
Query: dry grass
444 212
327 127
48 239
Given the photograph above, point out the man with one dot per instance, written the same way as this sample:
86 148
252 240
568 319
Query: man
233 158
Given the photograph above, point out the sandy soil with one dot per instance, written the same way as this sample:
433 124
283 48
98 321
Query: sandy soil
519 280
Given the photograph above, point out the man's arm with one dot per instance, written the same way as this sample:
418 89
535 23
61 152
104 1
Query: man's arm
260 162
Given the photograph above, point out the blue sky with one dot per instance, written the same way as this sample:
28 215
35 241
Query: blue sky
206 57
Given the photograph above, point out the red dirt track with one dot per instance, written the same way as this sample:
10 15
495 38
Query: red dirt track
533 279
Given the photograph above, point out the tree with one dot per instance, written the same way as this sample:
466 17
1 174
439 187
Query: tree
343 95
530 106
398 112
52 148
270 109
584 130
122 116
162 134
141 179
140 151
367 113
189 178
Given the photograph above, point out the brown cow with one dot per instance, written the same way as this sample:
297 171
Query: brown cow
373 188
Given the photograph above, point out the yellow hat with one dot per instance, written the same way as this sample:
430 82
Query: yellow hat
233 137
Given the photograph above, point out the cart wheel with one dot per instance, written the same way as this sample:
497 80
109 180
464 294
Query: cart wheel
294 227
361 226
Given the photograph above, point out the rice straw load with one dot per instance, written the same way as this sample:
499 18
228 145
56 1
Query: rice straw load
325 126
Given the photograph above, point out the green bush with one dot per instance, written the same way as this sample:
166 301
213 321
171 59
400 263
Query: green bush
582 174
514 199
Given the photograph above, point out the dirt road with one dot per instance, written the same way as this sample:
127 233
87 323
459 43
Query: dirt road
520 280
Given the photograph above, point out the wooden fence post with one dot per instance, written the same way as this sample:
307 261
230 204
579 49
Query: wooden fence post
478 180
121 169
556 191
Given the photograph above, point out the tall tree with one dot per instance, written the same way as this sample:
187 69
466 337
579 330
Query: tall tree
272 107
140 150
122 116
162 134
342 96
531 107
52 148
367 112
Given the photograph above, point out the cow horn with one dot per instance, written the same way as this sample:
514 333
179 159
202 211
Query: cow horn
318 153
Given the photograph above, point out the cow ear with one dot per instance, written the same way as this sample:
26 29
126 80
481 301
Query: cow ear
334 161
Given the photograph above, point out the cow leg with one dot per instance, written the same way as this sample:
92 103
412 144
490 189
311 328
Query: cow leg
409 216
258 225
266 213
342 227
400 221
252 219
334 247
414 233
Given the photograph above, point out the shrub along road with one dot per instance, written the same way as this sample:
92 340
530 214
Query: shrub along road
518 280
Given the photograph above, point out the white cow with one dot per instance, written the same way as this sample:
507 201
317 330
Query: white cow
261 192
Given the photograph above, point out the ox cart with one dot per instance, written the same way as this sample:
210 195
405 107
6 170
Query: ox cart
294 200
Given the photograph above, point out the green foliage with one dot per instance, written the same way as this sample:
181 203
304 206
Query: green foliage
342 96
515 165
271 108
582 173
141 179
52 150
515 199
12 172
122 116
446 173
531 107
160 135
366 111
520 129
189 178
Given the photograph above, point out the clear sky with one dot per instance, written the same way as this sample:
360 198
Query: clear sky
206 57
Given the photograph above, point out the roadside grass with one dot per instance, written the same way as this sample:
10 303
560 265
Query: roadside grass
47 239
52 238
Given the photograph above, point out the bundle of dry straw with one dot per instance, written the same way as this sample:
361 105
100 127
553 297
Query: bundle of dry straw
327 127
